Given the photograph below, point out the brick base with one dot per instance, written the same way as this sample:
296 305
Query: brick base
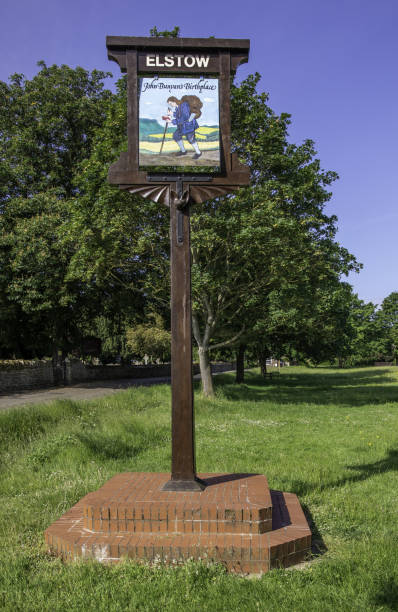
236 520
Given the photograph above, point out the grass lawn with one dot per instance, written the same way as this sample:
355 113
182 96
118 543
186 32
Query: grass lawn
330 436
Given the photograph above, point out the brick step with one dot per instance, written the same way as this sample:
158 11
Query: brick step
135 503
175 519
288 543
246 554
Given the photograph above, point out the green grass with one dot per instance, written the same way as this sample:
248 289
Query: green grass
331 436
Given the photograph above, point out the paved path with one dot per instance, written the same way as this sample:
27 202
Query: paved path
81 391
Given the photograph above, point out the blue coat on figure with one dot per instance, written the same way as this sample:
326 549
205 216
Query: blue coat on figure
186 123
182 119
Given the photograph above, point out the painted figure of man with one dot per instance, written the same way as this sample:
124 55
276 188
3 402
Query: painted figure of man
184 114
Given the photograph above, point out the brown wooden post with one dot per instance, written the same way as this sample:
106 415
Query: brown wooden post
183 468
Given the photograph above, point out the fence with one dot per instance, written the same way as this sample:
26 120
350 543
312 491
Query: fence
43 374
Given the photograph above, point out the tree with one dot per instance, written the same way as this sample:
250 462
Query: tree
150 339
388 318
37 256
47 128
346 328
307 320
271 236
123 243
174 33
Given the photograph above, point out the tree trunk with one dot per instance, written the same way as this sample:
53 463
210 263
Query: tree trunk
262 359
205 372
240 364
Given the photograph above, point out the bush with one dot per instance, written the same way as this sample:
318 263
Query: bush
150 339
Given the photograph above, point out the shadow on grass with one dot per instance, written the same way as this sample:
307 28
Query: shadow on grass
387 594
281 518
109 447
354 388
114 446
366 470
318 546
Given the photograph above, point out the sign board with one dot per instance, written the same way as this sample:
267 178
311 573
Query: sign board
179 123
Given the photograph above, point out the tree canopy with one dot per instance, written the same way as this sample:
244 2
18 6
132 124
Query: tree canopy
272 238
47 128
80 257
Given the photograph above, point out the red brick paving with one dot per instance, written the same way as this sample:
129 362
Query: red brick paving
236 520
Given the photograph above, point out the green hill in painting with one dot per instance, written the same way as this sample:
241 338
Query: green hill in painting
151 126
152 131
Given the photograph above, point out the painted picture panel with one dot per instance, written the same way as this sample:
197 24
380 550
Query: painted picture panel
179 122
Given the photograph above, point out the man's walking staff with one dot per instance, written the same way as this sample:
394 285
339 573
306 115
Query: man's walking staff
164 134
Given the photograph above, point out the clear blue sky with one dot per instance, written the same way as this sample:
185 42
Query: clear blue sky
331 64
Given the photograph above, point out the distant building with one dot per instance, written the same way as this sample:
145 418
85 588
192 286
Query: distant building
272 362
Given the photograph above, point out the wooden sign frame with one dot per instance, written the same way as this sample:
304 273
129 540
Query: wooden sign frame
224 56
